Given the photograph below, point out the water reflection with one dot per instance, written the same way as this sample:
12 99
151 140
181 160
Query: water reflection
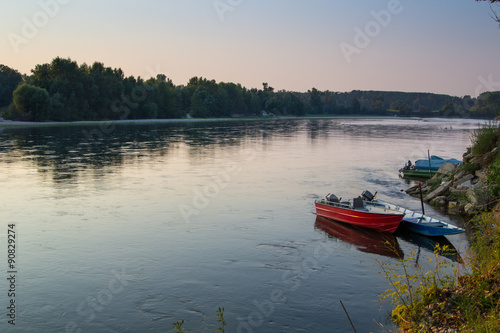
65 151
365 240
439 245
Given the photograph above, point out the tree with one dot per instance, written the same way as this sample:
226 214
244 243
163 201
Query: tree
355 105
9 80
495 15
30 103
315 101
292 104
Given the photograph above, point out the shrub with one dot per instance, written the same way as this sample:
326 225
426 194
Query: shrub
485 138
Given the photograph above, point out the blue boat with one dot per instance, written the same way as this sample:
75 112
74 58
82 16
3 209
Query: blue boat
434 163
413 221
425 168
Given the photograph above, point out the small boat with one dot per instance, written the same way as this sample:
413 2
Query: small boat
425 168
413 221
355 212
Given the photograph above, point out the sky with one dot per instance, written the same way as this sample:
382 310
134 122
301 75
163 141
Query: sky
447 47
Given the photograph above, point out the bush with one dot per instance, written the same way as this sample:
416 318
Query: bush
485 139
30 103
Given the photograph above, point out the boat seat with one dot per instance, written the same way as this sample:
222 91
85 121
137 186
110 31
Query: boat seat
357 203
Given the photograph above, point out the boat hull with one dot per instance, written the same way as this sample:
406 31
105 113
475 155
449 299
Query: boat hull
416 173
379 221
419 223
430 230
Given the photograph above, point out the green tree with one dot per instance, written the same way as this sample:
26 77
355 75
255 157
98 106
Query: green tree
30 103
355 105
9 80
292 104
274 105
315 101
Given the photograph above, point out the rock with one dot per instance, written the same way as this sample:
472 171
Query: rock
487 158
470 208
452 204
467 157
458 191
439 191
481 174
446 169
439 201
460 174
467 177
466 184
471 196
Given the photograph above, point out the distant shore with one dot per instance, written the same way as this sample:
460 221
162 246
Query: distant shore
13 123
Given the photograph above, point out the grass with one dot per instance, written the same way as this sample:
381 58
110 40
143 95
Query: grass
417 295
485 138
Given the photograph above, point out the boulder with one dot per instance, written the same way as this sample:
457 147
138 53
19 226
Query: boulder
470 208
460 174
467 156
487 158
481 174
465 178
471 196
446 169
466 184
458 191
439 201
440 190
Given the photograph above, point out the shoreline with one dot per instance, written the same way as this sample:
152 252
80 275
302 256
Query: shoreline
19 124
15 123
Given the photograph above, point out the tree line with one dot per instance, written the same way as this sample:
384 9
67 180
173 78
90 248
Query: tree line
65 91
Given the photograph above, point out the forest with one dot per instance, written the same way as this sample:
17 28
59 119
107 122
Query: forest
63 90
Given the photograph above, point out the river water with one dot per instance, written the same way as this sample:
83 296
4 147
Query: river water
130 228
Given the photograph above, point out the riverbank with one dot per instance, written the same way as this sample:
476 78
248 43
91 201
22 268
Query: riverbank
468 300
13 123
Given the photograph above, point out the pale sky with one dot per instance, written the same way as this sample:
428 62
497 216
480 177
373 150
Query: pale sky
446 46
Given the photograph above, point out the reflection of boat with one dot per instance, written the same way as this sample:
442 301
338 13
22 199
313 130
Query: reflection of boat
356 213
413 221
425 168
365 240
439 244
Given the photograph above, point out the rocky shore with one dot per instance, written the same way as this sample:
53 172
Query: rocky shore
463 188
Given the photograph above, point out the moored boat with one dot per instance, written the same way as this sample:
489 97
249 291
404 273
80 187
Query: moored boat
425 168
414 221
355 212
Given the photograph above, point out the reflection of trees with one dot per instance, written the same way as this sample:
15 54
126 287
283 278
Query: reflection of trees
65 152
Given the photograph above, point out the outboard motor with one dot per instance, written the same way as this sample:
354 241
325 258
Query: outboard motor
332 198
367 195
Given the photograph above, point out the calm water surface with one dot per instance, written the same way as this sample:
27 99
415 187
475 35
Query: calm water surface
132 228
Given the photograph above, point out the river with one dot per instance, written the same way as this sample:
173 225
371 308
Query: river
130 228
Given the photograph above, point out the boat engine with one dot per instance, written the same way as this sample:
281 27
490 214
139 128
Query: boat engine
367 195
332 198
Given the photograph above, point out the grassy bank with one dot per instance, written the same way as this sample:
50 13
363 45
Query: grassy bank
468 300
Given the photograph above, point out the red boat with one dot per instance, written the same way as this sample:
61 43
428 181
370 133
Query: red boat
354 212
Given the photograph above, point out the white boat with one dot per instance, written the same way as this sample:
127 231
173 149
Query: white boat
414 221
